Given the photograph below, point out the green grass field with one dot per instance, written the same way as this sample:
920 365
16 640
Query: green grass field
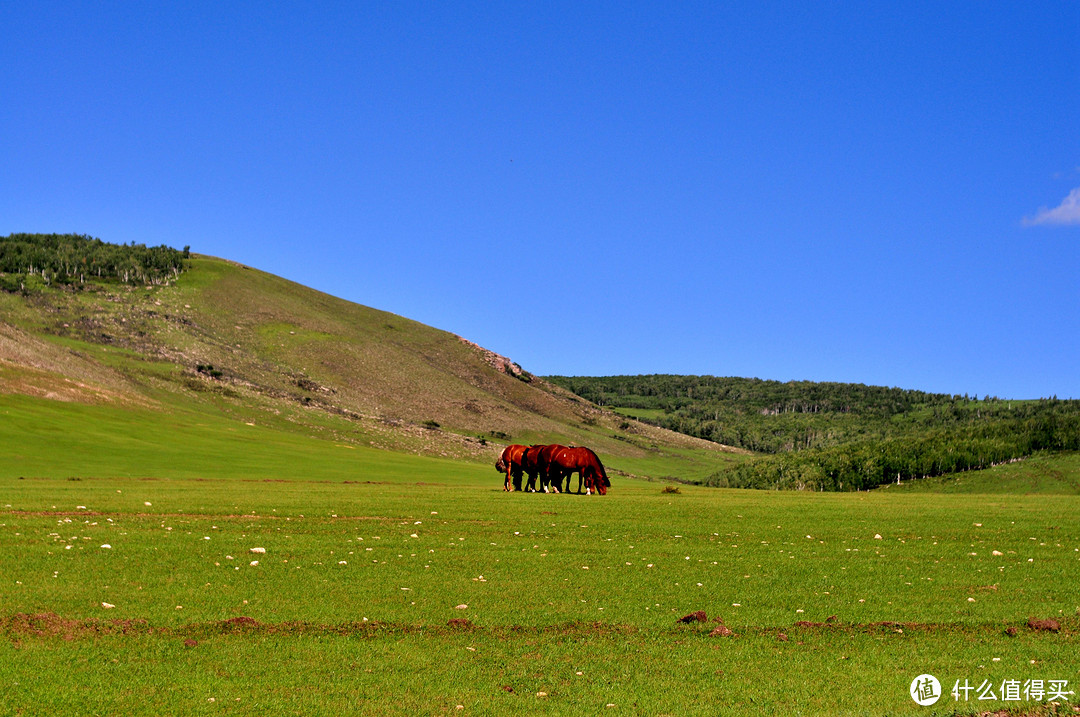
572 601
1037 475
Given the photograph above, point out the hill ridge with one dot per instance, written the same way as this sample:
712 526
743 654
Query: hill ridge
234 340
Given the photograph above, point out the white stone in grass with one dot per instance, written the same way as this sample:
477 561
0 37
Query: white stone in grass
462 606
107 605
106 546
253 563
257 550
877 536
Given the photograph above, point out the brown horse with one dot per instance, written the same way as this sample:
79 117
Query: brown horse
530 464
510 463
550 480
536 462
586 464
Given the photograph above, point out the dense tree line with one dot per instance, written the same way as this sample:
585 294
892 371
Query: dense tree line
867 464
29 261
834 436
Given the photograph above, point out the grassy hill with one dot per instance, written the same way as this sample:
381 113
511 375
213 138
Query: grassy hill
837 436
125 371
226 348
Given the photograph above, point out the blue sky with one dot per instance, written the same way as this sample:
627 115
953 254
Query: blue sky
881 193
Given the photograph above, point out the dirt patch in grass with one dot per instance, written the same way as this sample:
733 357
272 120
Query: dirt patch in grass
1048 625
1044 625
190 516
723 630
698 616
49 624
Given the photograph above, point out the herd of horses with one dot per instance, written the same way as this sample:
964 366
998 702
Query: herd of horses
552 465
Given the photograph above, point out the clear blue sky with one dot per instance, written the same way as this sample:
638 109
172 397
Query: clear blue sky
883 193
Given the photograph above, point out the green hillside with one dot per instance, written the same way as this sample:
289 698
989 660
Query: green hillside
218 344
152 361
836 436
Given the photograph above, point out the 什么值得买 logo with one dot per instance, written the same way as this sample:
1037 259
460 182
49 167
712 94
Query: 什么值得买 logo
925 690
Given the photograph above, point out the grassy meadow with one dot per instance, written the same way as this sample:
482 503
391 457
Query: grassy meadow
234 495
571 602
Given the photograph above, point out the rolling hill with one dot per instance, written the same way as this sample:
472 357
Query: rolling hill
843 436
228 345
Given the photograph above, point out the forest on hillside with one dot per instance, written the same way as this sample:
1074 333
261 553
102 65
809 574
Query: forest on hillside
838 436
34 261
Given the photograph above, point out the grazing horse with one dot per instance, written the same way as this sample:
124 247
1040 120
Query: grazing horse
563 466
550 477
510 463
586 464
536 461
530 464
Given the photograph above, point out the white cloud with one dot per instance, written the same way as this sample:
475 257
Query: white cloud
1068 212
